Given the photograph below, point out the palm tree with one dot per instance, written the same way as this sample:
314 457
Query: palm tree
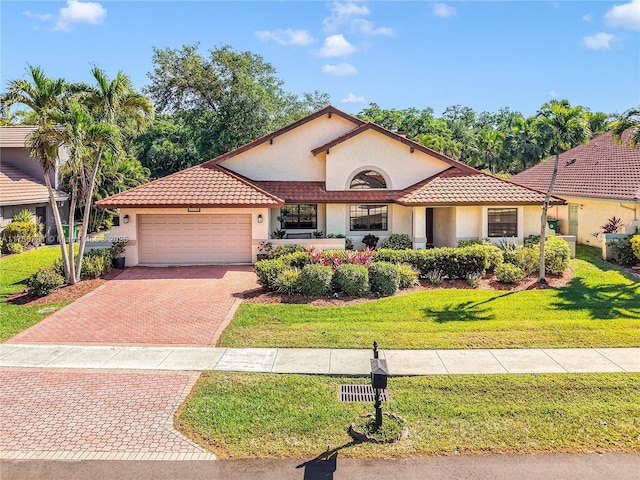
526 142
109 102
487 149
82 136
566 127
629 119
44 96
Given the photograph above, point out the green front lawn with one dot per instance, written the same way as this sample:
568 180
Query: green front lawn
600 307
14 270
260 415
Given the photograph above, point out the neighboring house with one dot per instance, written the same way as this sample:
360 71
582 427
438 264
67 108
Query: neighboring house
599 180
22 182
328 172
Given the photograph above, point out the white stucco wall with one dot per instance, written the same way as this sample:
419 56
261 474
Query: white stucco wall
260 231
444 227
592 214
468 222
290 157
374 150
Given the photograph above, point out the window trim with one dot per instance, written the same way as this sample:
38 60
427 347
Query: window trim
296 226
384 218
511 225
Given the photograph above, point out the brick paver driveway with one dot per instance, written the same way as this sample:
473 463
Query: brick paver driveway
85 414
150 306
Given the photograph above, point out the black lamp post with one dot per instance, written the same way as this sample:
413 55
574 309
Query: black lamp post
379 376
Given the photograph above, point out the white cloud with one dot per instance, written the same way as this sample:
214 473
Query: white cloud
39 16
336 46
79 12
443 10
599 41
361 25
587 17
626 15
286 37
340 70
342 13
351 98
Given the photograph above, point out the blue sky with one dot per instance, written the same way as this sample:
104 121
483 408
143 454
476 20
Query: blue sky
398 54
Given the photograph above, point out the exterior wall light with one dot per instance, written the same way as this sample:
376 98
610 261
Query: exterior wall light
125 219
259 218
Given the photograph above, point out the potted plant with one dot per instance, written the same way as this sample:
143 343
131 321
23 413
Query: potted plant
278 234
117 252
265 249
370 241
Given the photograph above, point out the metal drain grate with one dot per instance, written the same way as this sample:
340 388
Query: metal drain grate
360 393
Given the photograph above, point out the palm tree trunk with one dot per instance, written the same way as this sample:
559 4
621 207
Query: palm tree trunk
73 279
87 211
58 220
543 219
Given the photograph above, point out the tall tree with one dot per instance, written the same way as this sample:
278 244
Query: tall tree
109 101
43 96
628 120
567 127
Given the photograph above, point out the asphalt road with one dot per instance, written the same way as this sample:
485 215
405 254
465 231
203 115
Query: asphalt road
609 466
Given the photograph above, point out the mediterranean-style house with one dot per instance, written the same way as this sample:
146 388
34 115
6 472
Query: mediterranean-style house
329 172
22 184
599 180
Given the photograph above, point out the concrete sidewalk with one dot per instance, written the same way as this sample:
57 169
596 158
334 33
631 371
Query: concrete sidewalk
322 361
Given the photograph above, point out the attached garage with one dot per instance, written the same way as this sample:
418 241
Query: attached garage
194 239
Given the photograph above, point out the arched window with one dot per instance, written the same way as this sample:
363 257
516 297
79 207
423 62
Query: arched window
368 179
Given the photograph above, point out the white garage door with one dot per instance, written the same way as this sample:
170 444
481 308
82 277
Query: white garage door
197 239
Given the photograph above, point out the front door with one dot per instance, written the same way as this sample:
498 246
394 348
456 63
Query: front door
573 218
429 227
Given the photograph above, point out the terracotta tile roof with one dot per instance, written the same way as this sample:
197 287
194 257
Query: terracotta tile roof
399 137
456 187
602 169
17 188
15 136
199 186
307 192
330 110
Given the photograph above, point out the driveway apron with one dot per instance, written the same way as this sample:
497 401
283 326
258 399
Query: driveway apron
181 306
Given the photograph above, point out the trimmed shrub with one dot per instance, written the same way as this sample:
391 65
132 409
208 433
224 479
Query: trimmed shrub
635 246
370 240
508 273
466 261
532 241
43 282
472 242
556 255
348 243
315 280
23 233
13 248
288 282
351 279
434 277
623 252
408 276
384 278
397 241
267 271
407 256
494 256
296 259
525 258
282 250
433 259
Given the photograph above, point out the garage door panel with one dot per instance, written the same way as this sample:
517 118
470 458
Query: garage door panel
181 239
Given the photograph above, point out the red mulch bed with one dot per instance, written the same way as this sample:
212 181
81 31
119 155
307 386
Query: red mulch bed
487 283
63 294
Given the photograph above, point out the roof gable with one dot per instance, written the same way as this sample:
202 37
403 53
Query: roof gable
600 168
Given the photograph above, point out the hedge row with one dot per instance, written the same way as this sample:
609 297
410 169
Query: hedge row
317 280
